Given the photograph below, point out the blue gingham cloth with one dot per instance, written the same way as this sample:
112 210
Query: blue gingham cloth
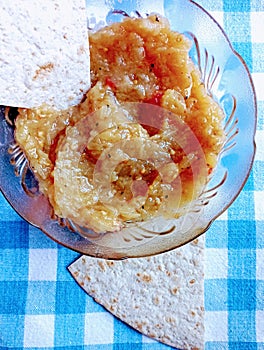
41 306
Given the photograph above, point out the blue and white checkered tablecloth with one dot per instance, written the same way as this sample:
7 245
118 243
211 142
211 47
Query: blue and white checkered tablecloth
41 306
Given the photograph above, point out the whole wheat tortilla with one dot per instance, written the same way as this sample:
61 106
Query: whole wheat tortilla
44 56
160 296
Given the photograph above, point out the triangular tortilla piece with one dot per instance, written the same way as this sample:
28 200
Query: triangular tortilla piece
44 55
160 296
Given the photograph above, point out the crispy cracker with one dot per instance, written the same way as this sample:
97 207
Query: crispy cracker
160 296
44 56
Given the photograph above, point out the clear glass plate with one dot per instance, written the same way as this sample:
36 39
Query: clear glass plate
226 78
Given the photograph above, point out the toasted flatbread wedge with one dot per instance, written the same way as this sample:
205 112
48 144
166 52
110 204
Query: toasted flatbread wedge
44 56
160 296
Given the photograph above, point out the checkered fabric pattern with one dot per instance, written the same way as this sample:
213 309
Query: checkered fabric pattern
41 306
234 285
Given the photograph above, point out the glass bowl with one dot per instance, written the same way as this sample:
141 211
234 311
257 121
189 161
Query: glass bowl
226 77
